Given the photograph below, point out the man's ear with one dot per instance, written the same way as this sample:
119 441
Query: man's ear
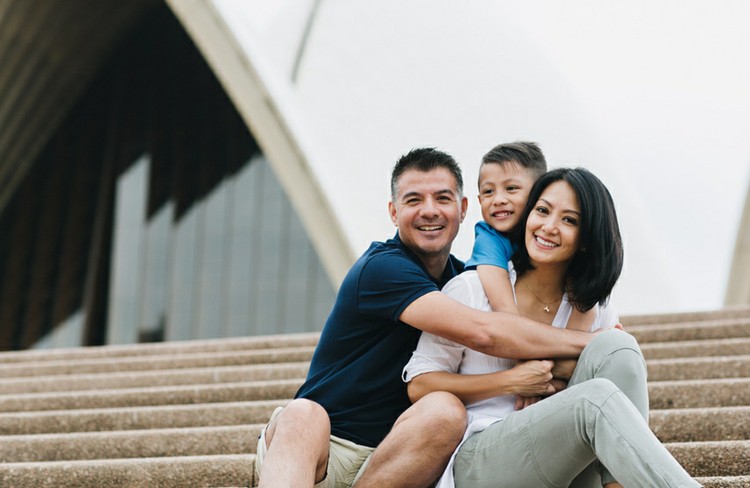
464 207
392 212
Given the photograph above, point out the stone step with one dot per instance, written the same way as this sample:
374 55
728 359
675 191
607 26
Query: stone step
727 458
730 392
701 424
724 481
150 363
166 377
691 331
172 348
164 472
682 349
161 395
217 470
732 312
662 394
698 368
186 441
138 418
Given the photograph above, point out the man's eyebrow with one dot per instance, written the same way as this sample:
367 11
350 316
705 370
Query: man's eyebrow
445 191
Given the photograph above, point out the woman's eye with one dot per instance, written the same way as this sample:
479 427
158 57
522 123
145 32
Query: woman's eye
542 210
570 220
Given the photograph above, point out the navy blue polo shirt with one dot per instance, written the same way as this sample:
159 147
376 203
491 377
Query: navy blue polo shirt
355 372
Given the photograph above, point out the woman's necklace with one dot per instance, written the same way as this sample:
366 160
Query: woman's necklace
546 304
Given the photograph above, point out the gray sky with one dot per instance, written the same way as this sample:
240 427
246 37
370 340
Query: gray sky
652 96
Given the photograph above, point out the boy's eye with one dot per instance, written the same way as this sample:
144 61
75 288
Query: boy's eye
488 191
512 188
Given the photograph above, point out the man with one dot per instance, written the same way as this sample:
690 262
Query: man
352 421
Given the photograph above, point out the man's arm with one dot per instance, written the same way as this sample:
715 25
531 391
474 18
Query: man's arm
498 334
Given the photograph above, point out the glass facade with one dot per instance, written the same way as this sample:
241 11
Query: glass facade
153 215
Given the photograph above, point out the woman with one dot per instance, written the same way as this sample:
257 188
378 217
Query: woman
570 259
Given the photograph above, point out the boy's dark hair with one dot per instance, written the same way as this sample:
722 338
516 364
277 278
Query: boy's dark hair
597 264
528 155
425 159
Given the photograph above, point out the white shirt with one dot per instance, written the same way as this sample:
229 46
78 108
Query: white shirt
434 353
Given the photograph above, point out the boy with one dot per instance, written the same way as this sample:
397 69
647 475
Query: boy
506 175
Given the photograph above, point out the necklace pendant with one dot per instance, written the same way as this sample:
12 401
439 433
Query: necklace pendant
546 308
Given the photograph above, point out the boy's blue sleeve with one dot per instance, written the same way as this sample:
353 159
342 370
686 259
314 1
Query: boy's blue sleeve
490 247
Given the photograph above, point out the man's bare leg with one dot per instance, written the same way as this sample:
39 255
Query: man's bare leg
416 451
298 442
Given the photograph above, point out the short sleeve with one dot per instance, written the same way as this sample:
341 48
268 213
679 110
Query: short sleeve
389 283
433 353
490 247
606 316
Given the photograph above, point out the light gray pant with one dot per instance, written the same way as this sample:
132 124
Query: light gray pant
601 415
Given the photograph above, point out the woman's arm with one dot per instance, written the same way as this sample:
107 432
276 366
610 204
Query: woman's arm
527 378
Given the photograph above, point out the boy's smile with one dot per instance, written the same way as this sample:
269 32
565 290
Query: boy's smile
503 191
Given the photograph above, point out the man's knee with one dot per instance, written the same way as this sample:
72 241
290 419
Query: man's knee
442 414
301 414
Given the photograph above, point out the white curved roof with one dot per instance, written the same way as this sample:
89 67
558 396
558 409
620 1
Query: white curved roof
651 96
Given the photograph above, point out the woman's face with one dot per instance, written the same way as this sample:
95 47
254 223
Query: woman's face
553 226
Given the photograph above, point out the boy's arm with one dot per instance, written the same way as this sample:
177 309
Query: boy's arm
499 334
496 283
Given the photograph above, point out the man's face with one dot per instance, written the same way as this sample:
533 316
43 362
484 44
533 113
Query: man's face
428 210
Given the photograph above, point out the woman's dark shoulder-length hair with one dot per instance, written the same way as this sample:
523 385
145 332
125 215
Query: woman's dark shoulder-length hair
596 266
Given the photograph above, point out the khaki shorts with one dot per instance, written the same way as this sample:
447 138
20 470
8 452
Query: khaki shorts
346 461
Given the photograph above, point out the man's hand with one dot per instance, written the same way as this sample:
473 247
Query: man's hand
533 377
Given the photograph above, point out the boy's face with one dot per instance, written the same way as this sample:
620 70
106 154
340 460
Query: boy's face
503 191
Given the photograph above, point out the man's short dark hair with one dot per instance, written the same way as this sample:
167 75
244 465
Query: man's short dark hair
425 159
528 155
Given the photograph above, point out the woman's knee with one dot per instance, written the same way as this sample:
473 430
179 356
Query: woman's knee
595 391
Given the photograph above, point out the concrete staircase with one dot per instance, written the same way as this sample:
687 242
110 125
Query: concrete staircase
189 413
